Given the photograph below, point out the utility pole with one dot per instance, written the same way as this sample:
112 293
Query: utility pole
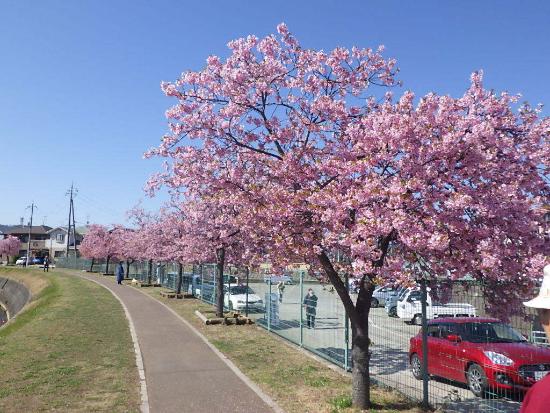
32 206
71 224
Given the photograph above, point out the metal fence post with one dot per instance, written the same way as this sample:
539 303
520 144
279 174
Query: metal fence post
425 377
269 307
213 298
346 328
301 308
202 281
247 276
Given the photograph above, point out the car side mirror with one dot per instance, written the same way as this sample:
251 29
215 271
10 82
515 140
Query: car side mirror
454 338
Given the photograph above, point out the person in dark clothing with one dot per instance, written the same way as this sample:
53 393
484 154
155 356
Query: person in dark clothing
46 264
119 273
310 304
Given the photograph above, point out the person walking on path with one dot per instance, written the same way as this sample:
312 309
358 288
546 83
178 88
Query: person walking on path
46 264
537 399
119 273
281 290
310 304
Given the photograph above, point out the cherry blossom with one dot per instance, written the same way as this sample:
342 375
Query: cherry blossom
305 153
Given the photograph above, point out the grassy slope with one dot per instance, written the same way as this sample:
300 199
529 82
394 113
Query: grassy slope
297 382
70 351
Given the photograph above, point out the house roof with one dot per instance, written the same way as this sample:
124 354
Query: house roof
24 229
64 229
79 234
5 228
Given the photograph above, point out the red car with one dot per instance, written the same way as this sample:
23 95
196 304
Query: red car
485 353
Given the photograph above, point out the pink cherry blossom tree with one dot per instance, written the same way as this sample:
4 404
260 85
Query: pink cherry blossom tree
210 231
9 246
126 241
316 164
99 243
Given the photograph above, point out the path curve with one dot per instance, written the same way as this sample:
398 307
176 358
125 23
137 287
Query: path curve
182 371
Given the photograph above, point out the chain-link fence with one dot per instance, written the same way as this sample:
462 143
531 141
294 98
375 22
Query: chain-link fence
472 362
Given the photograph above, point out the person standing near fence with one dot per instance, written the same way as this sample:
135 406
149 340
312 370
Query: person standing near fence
310 304
281 290
46 264
537 399
119 273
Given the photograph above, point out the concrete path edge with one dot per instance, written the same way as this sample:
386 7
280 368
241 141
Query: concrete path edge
255 388
144 407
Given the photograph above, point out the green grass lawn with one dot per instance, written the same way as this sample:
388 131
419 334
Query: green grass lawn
70 351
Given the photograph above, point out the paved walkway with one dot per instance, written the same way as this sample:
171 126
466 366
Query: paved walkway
183 374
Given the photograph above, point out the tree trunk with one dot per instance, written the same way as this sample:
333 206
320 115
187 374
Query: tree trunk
107 264
127 268
220 261
360 353
92 265
180 278
149 271
359 319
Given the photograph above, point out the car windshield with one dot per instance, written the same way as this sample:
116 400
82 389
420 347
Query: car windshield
241 289
490 332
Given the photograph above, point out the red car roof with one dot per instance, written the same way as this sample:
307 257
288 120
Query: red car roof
462 320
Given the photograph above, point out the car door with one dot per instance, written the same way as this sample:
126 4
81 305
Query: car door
433 345
451 353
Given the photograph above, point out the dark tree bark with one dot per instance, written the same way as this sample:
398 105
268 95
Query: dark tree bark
220 261
359 319
149 271
360 346
128 268
180 278
92 266
107 264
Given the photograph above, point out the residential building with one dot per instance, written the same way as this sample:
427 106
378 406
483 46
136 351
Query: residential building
45 240
38 234
57 242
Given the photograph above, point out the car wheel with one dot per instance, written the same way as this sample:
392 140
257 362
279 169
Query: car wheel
393 312
477 380
417 320
416 367
374 303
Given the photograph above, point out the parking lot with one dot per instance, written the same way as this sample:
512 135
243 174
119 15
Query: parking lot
390 338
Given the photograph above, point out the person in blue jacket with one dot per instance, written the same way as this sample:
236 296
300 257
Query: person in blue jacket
119 273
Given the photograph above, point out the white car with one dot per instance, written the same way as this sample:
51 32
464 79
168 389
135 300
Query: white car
381 294
409 308
275 279
235 298
21 261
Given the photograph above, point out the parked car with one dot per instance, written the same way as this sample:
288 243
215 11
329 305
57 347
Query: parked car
391 302
235 298
21 261
409 308
37 261
229 279
275 279
381 294
485 353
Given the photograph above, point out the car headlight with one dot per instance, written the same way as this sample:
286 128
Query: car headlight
498 358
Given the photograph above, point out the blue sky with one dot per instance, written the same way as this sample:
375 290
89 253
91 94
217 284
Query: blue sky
79 80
